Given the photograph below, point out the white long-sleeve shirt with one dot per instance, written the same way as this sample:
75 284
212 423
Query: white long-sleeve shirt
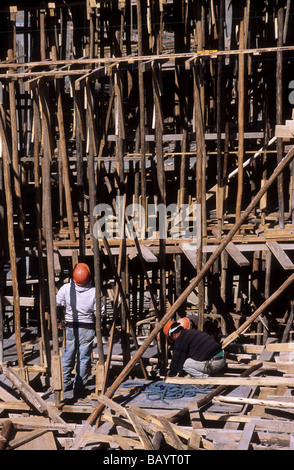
79 302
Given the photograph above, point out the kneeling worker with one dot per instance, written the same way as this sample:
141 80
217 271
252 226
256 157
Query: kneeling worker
194 352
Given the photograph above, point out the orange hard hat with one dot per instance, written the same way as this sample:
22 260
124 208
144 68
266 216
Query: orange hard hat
167 327
81 274
185 322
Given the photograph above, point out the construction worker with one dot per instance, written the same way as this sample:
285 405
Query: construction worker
210 327
79 299
195 352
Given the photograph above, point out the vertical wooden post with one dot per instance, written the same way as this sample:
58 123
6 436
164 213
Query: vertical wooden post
96 250
161 200
141 105
48 233
14 152
279 107
38 202
241 72
11 237
200 161
219 107
79 128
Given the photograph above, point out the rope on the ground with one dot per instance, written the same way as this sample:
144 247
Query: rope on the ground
162 391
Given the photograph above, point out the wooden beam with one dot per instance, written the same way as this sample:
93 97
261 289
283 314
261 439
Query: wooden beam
237 256
246 436
90 75
190 253
234 381
280 255
148 255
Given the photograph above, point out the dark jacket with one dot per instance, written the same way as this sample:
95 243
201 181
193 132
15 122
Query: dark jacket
192 344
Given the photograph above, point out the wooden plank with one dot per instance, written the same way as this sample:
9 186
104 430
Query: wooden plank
23 301
176 442
127 443
284 131
280 347
148 255
140 430
236 254
190 253
194 441
195 417
14 405
235 381
280 255
247 436
97 437
35 440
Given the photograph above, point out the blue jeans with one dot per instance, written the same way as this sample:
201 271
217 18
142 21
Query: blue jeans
78 348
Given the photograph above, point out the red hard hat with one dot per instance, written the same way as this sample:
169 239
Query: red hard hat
81 274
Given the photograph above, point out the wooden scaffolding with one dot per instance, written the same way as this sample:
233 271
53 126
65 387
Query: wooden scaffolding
167 114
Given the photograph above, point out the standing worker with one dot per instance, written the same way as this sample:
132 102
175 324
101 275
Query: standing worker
194 352
79 299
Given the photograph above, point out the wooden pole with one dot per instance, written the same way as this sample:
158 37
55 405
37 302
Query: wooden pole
47 202
172 310
80 140
11 237
14 152
141 106
241 91
279 107
219 112
96 249
200 159
38 202
159 125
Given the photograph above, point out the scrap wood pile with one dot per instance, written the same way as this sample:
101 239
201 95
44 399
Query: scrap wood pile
250 407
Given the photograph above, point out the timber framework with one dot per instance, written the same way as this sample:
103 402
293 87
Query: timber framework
153 140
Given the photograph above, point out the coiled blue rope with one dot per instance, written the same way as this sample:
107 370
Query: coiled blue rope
162 391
